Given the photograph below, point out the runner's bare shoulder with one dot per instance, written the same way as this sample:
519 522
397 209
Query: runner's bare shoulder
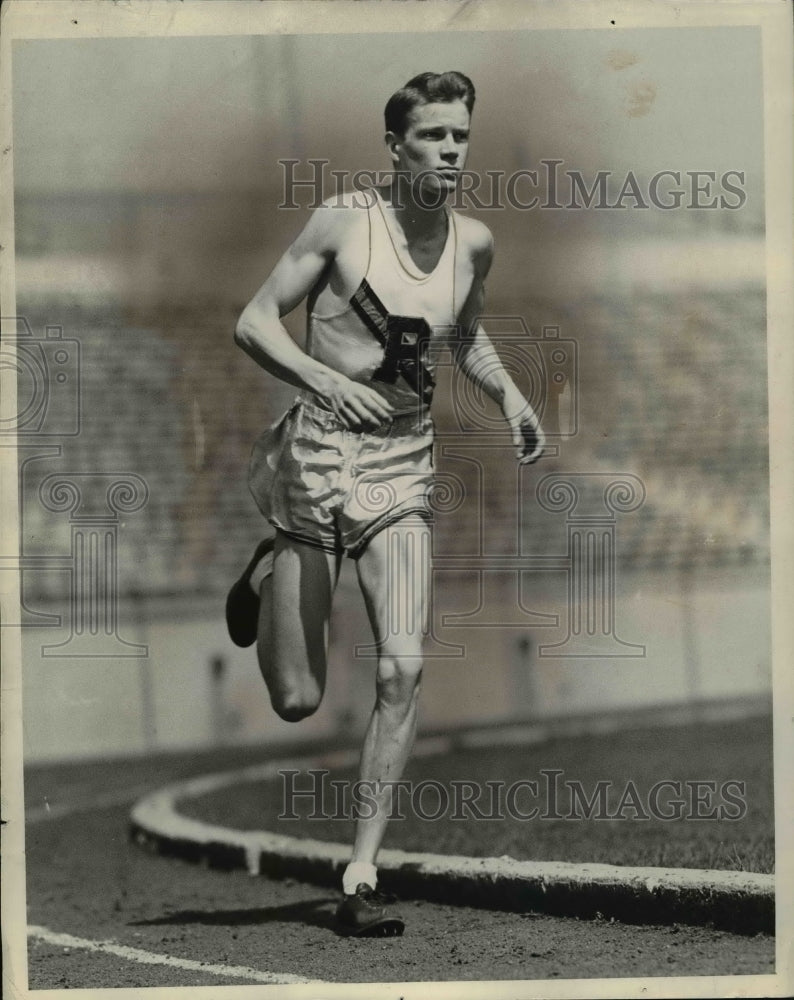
475 238
336 220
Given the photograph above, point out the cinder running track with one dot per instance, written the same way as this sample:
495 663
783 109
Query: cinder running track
135 919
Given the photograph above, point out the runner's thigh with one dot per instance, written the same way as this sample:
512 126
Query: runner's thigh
394 574
293 625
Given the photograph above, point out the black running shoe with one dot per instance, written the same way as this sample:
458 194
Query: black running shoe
242 604
362 914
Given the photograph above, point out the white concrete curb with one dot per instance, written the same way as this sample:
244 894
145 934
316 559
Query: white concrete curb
734 900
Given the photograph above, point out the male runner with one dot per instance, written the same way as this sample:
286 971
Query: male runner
389 273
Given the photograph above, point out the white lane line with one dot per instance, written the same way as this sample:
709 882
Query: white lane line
152 958
158 814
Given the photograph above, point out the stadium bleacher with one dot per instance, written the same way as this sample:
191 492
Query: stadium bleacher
671 388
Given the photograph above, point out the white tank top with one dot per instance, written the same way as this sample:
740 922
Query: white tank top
384 335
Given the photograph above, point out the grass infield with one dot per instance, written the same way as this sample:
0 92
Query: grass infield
629 763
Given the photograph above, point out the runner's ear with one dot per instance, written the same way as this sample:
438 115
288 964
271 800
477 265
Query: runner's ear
393 143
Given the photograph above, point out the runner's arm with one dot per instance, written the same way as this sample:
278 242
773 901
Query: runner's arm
478 359
262 335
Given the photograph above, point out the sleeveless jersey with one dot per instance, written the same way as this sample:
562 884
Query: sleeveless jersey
386 333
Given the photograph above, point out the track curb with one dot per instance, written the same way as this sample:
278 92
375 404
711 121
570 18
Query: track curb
738 901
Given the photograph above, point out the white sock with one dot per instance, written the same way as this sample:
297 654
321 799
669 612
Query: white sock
356 873
262 569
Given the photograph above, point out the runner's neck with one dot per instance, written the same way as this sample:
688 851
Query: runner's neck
419 223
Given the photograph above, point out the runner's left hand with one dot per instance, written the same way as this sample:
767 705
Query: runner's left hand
528 436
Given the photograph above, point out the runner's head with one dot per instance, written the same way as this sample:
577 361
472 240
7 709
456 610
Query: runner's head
427 88
427 132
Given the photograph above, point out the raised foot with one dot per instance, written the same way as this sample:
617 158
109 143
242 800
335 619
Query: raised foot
242 604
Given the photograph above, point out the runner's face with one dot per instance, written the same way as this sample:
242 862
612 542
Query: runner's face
434 147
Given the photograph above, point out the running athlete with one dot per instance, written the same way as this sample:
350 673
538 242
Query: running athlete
389 273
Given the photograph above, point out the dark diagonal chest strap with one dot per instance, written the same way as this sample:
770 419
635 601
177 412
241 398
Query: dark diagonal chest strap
405 341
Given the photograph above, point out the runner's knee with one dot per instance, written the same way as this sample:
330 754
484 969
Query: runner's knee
398 678
294 706
294 698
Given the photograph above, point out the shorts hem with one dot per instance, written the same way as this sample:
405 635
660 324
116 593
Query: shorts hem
315 543
392 517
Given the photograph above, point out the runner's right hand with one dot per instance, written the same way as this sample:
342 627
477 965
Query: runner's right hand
357 405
